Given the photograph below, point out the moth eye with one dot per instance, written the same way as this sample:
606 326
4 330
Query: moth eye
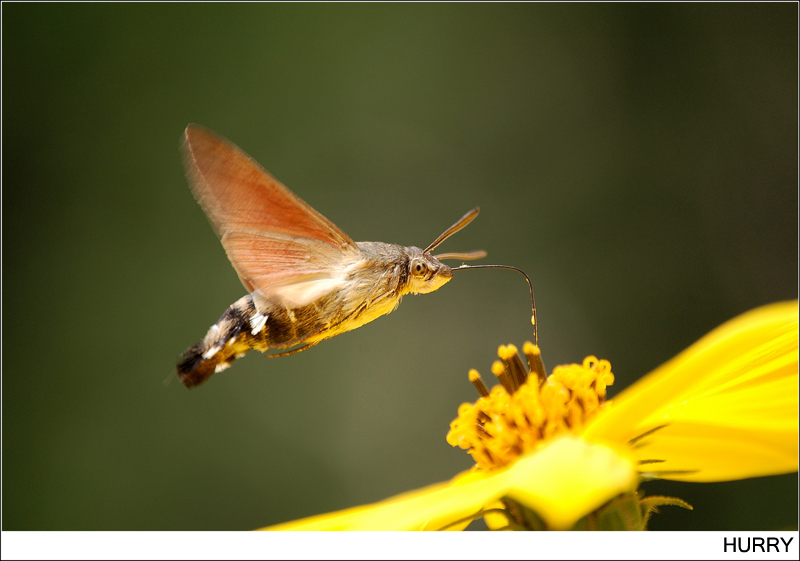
418 268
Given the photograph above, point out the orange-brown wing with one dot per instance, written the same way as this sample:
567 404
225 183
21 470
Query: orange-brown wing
271 236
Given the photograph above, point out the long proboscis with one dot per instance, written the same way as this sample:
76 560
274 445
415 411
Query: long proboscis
466 219
533 302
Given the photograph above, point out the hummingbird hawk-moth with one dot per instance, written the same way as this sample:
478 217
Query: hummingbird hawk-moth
307 280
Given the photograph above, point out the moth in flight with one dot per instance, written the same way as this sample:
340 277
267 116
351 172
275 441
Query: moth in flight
307 280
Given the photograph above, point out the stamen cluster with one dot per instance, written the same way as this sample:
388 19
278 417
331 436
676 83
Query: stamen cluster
528 406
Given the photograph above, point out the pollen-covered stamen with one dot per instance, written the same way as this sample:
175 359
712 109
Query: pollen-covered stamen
500 370
475 378
535 364
510 357
513 418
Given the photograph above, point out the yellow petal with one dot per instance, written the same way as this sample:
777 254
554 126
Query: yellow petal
432 507
704 453
727 406
563 481
569 478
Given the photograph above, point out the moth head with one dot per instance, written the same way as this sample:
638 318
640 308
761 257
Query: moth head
426 273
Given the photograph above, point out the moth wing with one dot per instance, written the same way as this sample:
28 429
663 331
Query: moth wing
273 238
296 271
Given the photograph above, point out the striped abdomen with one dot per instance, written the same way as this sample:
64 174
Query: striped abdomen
263 324
241 328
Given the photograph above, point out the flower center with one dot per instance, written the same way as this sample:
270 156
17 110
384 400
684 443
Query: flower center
528 406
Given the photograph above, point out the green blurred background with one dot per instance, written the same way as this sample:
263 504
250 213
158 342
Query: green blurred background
638 161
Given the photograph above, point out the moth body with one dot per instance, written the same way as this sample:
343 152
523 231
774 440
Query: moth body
371 287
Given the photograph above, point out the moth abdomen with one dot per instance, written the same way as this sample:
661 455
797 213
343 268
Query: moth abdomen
245 326
228 339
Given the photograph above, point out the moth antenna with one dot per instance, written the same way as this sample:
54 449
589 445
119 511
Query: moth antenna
533 303
466 219
468 256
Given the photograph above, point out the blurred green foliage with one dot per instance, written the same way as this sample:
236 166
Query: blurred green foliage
638 161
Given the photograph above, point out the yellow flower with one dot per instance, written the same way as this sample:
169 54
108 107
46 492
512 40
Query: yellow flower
551 452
